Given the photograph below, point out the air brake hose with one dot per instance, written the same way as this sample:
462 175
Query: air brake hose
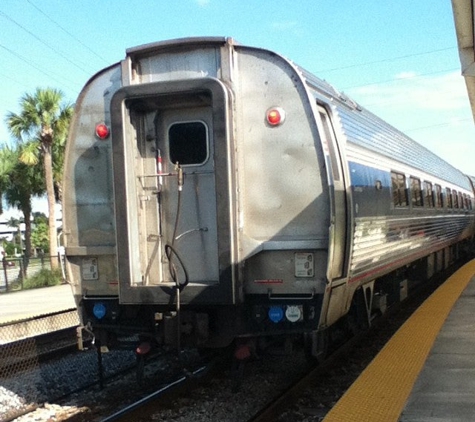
169 249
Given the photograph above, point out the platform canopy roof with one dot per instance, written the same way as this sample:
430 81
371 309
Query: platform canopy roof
464 27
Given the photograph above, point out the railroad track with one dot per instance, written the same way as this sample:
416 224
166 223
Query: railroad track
182 382
185 386
273 398
47 369
343 359
384 327
278 405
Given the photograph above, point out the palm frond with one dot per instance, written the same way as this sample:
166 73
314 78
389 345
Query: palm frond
29 154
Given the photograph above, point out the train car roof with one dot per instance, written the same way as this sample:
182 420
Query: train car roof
385 139
382 135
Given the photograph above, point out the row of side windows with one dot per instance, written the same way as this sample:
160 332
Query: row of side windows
426 194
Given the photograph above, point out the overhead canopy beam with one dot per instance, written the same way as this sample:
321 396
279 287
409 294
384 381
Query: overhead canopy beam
464 26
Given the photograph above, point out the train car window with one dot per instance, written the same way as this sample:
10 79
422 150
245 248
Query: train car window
188 143
455 199
449 198
398 182
428 195
461 201
416 192
438 196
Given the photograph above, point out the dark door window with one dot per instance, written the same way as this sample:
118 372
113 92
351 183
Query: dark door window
188 143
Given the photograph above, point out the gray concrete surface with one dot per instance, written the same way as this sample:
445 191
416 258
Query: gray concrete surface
445 389
28 303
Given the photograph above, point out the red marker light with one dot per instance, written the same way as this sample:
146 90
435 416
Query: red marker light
275 116
102 131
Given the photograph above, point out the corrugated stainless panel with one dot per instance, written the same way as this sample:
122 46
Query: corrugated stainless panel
319 84
380 137
363 128
379 242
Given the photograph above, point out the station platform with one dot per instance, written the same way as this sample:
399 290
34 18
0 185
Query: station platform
29 313
426 372
31 303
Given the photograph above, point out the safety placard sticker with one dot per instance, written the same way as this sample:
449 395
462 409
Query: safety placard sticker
90 269
304 264
269 281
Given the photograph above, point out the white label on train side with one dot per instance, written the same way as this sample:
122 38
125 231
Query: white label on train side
304 264
89 269
269 281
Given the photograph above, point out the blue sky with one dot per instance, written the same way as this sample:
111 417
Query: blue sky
398 59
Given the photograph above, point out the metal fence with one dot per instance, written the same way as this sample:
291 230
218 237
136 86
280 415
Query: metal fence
28 376
14 272
32 327
27 379
21 346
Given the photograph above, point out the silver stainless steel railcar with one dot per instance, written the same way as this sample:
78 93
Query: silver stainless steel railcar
215 191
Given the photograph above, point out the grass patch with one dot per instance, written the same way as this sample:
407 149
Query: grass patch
43 278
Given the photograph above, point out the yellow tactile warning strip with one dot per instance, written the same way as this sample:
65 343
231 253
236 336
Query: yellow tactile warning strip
381 391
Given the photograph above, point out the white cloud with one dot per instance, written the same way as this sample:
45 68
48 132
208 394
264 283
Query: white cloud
432 109
441 92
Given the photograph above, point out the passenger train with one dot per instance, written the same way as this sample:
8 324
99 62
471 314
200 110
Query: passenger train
218 193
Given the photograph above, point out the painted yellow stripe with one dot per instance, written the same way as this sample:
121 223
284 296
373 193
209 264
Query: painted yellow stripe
381 391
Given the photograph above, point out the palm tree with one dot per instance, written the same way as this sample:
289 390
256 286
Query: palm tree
42 122
18 188
6 166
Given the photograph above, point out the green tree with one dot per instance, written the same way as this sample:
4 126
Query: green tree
6 166
42 125
39 235
22 183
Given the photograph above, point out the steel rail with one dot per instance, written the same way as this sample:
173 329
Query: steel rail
279 404
274 409
125 412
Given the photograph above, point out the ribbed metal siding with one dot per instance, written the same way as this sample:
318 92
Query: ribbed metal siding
380 137
380 242
363 128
